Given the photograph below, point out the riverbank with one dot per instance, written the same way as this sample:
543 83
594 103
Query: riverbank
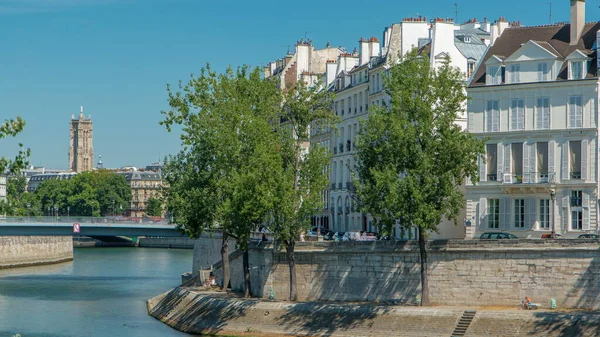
194 311
25 251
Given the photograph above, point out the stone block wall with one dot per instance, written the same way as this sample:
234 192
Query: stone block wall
460 272
21 251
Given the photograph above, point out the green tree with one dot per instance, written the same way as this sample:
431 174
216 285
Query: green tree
11 128
220 180
412 157
301 177
154 207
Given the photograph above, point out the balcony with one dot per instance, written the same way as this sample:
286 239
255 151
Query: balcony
526 178
575 175
492 177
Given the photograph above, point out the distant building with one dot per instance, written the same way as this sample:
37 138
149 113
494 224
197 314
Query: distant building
81 150
31 171
144 185
36 180
3 183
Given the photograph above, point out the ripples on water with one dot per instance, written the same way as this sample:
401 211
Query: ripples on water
103 292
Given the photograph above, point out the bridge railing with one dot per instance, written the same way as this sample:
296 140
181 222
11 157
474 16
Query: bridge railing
80 219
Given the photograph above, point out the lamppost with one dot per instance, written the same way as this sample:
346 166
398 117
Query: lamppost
68 211
28 214
56 212
553 198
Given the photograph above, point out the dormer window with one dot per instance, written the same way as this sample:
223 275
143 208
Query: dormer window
494 74
470 69
467 39
575 70
515 71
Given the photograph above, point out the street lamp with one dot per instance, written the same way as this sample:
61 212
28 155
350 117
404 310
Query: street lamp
553 198
68 211
28 205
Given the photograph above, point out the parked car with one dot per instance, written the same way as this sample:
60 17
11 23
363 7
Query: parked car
589 236
497 236
338 236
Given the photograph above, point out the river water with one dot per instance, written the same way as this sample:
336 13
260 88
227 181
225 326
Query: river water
103 292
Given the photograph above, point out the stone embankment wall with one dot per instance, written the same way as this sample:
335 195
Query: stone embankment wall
466 273
204 313
183 243
21 251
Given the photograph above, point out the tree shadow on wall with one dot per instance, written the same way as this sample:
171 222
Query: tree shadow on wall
319 319
205 314
566 324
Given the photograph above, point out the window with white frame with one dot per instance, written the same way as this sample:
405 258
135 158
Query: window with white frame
577 219
575 159
470 68
517 114
492 116
575 70
542 113
515 71
542 72
494 75
519 212
545 213
493 213
575 112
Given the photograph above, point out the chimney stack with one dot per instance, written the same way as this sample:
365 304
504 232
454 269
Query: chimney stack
577 20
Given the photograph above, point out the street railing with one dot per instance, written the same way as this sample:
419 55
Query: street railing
80 219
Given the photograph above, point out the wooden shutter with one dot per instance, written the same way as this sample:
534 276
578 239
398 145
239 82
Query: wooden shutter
500 159
507 159
483 213
482 168
525 163
571 112
551 174
584 159
592 116
532 163
496 117
502 219
585 203
565 161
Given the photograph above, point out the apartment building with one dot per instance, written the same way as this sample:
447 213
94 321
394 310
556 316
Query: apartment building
534 98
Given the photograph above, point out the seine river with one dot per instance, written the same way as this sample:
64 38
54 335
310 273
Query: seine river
103 292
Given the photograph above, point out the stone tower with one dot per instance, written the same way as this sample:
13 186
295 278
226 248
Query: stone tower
81 150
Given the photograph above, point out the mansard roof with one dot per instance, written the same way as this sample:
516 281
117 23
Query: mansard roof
555 37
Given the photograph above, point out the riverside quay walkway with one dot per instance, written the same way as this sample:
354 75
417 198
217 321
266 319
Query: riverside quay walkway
86 226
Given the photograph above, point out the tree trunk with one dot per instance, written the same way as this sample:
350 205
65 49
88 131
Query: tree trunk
247 291
225 261
292 262
424 280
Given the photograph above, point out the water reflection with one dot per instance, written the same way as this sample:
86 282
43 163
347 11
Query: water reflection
103 292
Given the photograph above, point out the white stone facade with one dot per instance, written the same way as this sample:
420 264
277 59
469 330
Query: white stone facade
535 101
3 183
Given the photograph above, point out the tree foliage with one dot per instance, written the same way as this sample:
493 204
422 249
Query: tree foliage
301 175
11 128
223 176
412 157
101 192
154 207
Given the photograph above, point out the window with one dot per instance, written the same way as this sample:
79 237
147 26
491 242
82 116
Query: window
491 162
575 159
576 70
517 115
577 219
516 164
494 213
520 213
542 162
542 72
576 198
575 112
470 68
494 75
515 71
492 116
542 113
545 213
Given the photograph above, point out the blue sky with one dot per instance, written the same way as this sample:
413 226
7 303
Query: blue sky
115 57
